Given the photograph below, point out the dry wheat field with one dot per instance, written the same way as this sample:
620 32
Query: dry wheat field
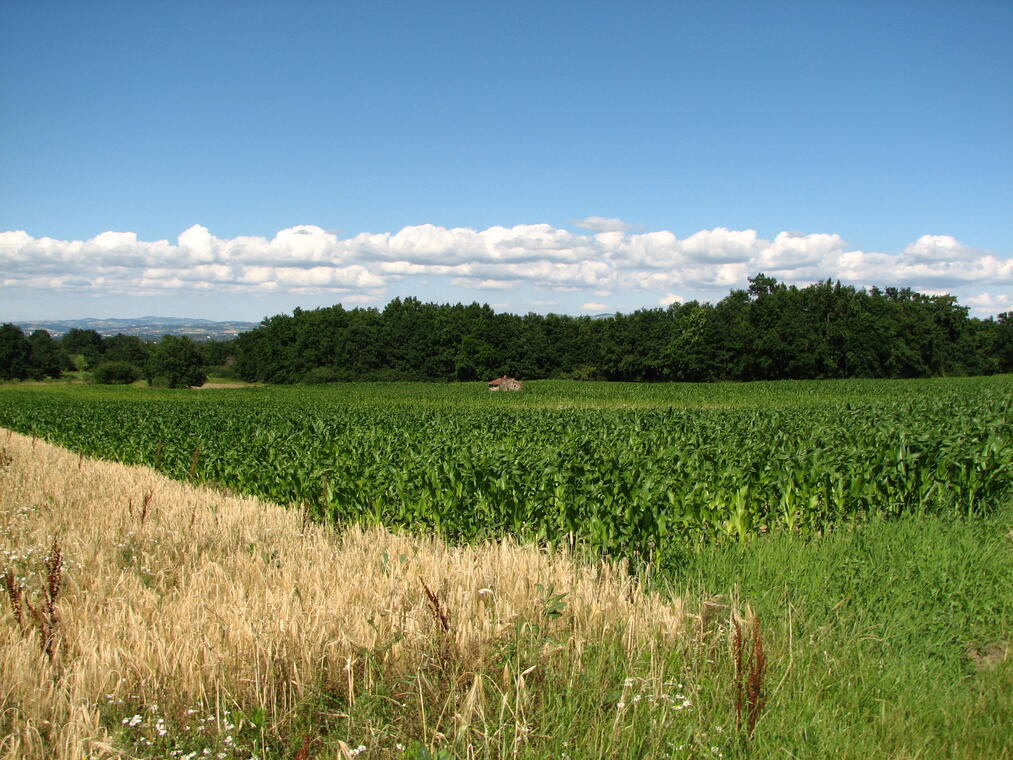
131 595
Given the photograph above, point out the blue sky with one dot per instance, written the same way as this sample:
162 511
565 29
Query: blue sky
571 157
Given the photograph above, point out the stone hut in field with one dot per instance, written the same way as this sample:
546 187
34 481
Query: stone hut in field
505 384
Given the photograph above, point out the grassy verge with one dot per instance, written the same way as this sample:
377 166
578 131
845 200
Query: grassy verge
888 639
158 620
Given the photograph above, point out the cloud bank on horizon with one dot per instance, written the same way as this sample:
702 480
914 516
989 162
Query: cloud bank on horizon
605 257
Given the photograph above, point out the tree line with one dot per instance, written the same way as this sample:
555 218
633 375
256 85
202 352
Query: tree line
174 361
768 331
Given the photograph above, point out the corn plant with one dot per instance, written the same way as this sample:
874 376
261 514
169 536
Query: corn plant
624 470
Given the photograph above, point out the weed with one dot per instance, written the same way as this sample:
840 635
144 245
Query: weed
14 596
439 611
145 504
45 613
750 663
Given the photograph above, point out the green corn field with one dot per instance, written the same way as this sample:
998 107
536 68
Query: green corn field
620 470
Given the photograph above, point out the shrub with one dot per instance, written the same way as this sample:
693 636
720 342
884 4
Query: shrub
585 372
319 376
225 371
179 360
116 373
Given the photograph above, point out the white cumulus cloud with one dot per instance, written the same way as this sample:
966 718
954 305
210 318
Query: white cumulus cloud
601 224
608 259
989 303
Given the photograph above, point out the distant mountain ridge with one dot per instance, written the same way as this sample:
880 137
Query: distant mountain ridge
148 328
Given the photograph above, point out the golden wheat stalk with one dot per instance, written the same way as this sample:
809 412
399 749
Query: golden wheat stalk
217 599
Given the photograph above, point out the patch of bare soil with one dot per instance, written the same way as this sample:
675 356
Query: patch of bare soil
989 657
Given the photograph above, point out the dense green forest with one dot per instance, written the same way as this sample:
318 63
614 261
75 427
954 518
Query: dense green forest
770 331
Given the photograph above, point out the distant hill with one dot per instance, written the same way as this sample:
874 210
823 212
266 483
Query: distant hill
146 328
